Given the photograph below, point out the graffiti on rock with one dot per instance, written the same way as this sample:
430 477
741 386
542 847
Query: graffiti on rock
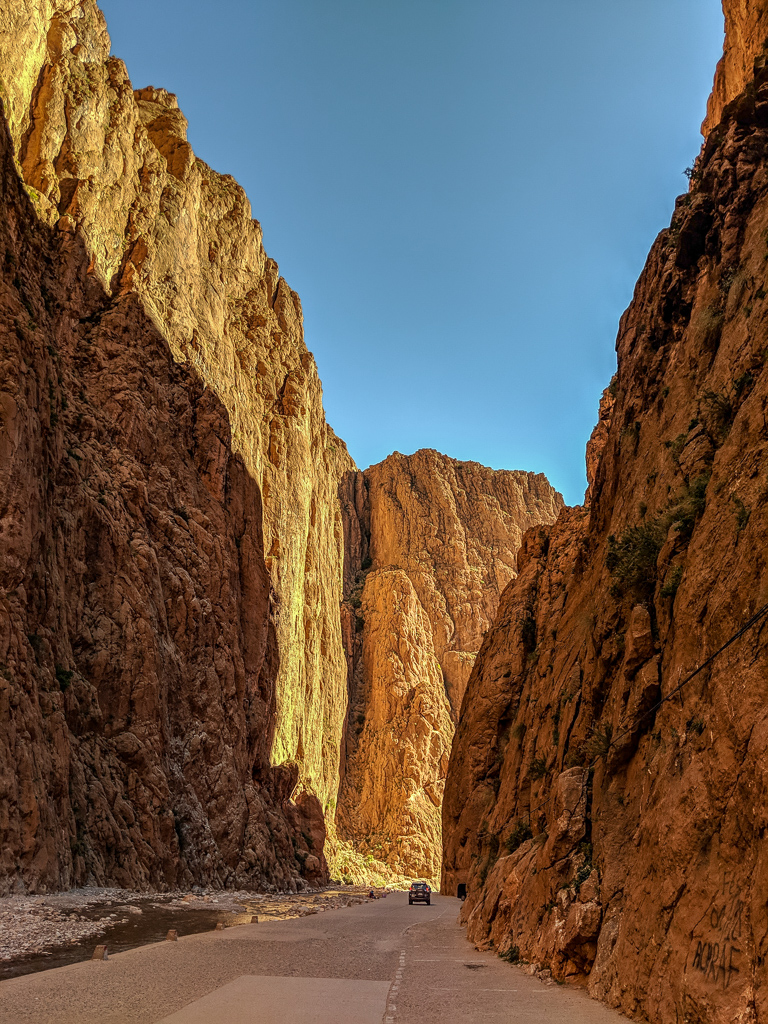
717 952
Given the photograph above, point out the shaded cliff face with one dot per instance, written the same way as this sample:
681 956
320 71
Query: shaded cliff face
613 837
138 652
114 166
432 544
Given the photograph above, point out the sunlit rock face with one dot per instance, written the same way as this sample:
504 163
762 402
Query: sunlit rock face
138 651
110 169
160 224
614 838
746 29
433 543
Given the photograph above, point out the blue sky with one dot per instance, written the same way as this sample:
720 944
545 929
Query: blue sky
463 194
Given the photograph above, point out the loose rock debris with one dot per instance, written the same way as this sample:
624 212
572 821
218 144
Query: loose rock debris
39 924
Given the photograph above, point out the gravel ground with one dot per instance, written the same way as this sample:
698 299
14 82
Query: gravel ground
39 925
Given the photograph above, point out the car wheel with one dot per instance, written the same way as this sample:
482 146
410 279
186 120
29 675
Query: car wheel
410 903
428 902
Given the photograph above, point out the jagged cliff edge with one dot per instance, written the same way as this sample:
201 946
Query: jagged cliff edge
611 830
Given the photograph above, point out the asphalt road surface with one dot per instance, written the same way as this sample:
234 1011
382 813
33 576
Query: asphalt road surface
379 963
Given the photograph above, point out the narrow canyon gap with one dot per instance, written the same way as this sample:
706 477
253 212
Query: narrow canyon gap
185 544
229 657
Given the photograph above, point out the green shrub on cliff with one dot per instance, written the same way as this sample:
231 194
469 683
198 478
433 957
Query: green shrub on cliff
520 834
631 559
599 742
687 507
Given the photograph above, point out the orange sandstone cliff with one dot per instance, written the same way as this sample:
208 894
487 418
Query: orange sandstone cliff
746 30
431 545
109 173
138 649
113 165
610 827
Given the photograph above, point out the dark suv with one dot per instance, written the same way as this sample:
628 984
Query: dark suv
419 892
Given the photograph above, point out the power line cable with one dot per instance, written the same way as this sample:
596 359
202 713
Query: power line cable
673 693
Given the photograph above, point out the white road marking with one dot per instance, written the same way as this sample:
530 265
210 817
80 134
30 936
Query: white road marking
391 1009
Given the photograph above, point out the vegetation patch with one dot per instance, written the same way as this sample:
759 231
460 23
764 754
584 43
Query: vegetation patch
63 677
631 558
719 408
599 742
685 509
676 447
672 582
520 834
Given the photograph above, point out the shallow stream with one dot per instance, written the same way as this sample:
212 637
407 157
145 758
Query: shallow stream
140 918
127 931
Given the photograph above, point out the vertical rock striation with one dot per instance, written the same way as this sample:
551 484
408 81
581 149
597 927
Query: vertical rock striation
435 542
138 651
607 825
108 169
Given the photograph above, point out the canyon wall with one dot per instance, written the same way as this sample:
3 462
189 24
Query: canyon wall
609 824
746 30
113 165
432 543
109 172
138 649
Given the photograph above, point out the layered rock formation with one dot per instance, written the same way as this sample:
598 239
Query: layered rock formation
138 651
609 825
114 166
432 544
110 172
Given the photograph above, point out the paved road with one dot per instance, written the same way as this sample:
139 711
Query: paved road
379 963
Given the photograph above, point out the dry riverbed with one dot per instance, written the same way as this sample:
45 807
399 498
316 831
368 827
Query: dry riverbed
51 930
